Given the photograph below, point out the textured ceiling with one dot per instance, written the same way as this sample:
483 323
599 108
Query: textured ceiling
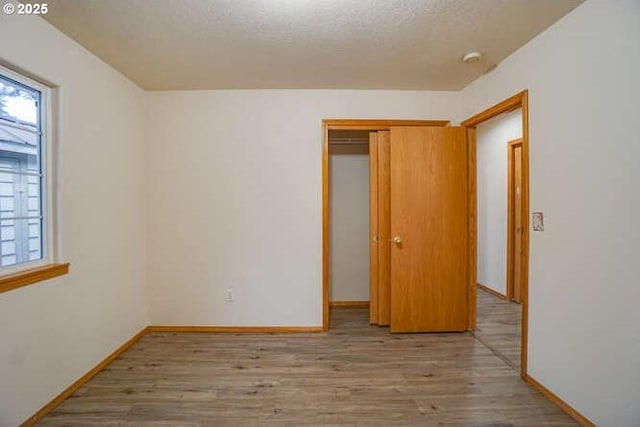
355 44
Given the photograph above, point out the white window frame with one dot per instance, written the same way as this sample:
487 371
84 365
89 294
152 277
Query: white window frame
47 185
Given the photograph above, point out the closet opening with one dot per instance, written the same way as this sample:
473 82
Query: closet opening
358 247
349 264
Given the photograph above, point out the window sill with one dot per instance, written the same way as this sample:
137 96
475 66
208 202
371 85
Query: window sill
29 277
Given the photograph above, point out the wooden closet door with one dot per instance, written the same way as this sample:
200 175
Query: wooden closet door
373 228
428 184
384 229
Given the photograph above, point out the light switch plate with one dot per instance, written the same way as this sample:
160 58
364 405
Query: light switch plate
537 220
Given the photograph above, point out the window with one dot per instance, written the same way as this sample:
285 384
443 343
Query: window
26 230
24 226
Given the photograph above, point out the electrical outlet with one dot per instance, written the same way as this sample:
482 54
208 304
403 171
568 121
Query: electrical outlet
228 295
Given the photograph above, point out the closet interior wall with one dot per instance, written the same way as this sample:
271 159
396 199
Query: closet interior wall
349 266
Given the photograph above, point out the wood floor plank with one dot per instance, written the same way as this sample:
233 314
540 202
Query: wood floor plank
355 374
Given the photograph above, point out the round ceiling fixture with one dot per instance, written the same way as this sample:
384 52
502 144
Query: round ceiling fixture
472 57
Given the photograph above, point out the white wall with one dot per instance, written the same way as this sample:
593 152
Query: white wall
236 199
492 138
349 223
583 77
53 332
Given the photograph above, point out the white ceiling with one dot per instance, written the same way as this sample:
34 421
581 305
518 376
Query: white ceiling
355 44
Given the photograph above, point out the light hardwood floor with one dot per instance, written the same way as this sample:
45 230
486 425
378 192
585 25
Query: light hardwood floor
499 327
355 375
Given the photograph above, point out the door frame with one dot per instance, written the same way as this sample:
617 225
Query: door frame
511 217
348 124
519 100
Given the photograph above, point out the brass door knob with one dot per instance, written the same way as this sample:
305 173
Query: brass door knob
397 240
